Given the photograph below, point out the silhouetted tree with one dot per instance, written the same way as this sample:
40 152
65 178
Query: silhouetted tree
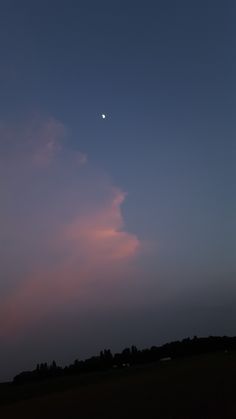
132 355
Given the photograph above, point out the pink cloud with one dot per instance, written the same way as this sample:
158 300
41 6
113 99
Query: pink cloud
92 246
74 234
102 232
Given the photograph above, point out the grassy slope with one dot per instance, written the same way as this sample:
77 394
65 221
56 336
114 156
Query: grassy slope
198 387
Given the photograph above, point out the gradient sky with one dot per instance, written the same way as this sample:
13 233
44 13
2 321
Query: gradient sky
115 231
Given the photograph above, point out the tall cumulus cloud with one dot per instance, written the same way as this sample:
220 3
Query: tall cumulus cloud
62 228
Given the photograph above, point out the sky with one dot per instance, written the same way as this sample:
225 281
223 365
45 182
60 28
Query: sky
115 231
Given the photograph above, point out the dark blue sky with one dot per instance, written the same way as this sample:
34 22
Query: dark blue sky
163 72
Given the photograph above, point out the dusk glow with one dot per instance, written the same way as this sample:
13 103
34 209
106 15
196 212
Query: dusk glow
80 244
117 174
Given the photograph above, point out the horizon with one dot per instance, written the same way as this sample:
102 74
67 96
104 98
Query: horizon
211 348
117 171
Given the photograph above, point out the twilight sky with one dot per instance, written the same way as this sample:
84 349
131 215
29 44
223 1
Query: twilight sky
115 231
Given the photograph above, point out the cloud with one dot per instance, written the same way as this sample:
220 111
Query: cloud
38 140
101 232
66 236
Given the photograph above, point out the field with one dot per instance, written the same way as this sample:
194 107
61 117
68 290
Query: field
199 387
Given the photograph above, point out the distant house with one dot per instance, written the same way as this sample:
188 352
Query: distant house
167 358
122 365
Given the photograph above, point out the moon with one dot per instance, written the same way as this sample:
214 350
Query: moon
103 116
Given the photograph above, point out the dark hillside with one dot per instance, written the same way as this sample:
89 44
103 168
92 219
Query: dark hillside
200 386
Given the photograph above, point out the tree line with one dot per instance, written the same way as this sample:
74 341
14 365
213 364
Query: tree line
130 356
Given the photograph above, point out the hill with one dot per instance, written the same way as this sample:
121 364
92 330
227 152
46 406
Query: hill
199 386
